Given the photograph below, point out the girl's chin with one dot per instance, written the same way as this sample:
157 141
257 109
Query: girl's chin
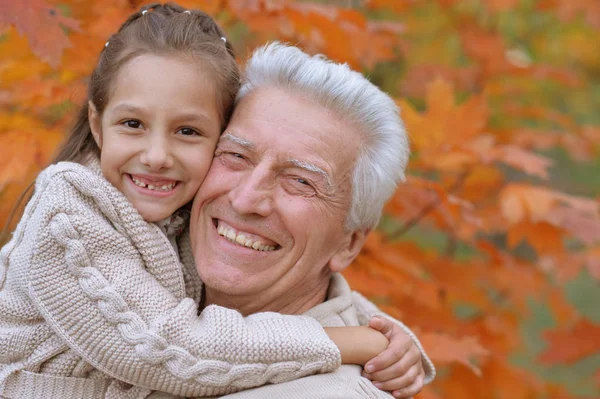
153 215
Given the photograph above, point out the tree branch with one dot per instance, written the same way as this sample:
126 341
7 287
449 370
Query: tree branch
427 209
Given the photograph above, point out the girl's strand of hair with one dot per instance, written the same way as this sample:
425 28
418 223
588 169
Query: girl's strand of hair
13 212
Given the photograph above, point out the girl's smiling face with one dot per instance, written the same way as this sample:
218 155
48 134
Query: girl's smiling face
158 132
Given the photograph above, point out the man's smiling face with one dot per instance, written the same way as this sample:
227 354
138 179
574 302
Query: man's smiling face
268 221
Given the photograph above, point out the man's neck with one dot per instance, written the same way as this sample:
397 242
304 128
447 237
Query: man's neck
295 302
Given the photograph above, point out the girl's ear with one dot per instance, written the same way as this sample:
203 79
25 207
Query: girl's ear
95 123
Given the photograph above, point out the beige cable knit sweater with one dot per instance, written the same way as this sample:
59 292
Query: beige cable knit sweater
89 291
344 383
70 303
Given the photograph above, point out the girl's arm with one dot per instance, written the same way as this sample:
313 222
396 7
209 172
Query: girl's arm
358 344
366 310
90 284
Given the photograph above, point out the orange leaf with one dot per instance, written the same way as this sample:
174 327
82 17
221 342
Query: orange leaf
444 349
444 125
28 16
528 162
542 236
571 345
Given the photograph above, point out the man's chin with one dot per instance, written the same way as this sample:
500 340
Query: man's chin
230 282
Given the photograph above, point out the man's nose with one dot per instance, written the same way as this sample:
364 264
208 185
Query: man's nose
253 193
157 152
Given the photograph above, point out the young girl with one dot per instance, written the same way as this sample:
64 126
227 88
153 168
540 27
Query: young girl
159 98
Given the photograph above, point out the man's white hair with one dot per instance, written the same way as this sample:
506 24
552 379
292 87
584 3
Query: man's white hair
384 150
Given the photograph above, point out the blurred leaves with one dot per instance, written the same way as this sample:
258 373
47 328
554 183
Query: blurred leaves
489 218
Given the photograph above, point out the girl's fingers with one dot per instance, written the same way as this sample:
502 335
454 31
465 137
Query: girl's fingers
399 345
382 325
411 390
403 381
396 369
387 358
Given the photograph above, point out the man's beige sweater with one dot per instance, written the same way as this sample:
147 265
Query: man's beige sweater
91 295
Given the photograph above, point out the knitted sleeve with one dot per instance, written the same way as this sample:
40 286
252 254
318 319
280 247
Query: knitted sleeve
365 311
90 284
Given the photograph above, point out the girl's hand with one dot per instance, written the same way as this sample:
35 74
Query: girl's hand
398 368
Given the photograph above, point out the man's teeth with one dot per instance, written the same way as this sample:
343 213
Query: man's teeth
164 187
241 239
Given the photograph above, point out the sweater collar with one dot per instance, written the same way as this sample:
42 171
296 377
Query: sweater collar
337 310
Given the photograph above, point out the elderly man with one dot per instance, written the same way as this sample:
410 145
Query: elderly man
303 170
300 177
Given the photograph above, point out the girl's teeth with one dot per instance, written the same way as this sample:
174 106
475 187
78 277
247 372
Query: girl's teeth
164 187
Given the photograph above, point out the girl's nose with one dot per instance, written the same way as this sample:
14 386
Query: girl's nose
157 155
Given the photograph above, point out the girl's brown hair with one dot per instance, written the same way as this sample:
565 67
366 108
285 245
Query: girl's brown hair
157 29
168 30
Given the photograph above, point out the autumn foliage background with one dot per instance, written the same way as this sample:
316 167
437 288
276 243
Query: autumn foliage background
491 250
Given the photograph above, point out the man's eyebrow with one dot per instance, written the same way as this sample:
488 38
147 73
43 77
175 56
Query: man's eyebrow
229 136
311 168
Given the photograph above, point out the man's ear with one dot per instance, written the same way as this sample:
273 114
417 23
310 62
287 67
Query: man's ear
346 254
95 123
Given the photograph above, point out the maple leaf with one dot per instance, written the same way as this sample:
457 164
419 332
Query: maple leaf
528 162
542 236
486 48
444 349
529 209
441 132
344 35
28 16
567 346
416 80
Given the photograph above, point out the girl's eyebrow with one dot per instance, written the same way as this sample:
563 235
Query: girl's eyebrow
229 136
125 107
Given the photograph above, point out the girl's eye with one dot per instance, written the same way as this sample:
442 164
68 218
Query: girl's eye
133 124
188 131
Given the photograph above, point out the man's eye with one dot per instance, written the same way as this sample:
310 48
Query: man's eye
188 131
133 124
302 181
236 155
